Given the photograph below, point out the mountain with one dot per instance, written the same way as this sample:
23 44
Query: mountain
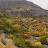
25 8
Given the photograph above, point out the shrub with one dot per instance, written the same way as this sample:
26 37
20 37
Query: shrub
34 45
38 45
36 34
10 36
0 46
30 43
0 20
47 41
25 35
1 15
20 42
43 40
44 31
4 28
12 30
16 26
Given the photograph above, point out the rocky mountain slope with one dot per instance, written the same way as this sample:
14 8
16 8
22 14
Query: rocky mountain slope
29 31
25 8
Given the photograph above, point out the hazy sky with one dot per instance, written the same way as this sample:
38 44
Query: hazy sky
42 3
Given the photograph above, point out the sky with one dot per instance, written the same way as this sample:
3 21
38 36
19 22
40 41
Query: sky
42 3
